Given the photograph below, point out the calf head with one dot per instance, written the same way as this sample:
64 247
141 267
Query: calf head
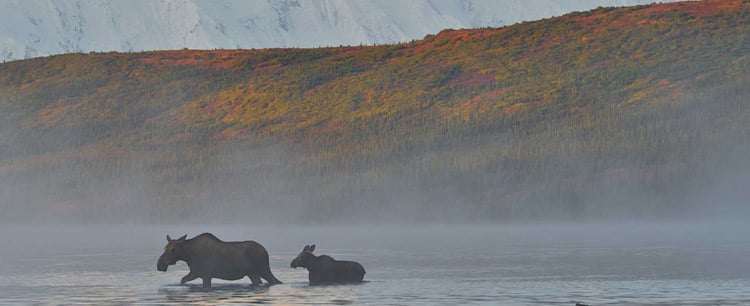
304 257
173 252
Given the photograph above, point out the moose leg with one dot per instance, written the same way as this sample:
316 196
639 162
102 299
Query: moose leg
206 282
255 279
190 276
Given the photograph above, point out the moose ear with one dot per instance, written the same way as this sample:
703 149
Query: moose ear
312 248
168 239
182 238
306 248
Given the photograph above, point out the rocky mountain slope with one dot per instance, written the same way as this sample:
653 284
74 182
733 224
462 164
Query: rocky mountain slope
31 28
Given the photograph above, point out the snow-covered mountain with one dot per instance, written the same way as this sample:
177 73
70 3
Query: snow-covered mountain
30 28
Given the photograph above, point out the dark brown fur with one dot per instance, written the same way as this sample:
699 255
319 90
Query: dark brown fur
324 269
208 257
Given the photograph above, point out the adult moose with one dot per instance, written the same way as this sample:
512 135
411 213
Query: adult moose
208 257
324 269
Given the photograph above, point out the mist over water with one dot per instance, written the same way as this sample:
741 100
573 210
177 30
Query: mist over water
258 186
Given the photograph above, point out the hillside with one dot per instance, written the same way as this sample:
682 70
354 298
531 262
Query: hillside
638 112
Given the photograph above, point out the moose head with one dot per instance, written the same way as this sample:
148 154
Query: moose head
304 257
173 252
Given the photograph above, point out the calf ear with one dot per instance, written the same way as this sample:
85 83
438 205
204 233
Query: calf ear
168 239
306 248
182 238
312 248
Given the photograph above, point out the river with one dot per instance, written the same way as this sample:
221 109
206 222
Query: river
406 265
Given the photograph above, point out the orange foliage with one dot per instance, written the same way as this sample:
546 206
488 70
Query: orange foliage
515 108
472 79
49 117
649 14
213 106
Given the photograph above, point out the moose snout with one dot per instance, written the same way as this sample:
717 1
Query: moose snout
161 267
161 264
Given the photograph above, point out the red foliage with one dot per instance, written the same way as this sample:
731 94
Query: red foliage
448 39
510 110
213 106
487 96
579 109
644 15
471 79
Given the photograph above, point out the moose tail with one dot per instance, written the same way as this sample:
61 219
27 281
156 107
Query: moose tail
272 280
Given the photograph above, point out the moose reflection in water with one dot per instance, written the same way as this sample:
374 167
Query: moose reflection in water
324 269
208 257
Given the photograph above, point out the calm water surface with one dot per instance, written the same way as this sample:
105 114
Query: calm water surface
420 265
